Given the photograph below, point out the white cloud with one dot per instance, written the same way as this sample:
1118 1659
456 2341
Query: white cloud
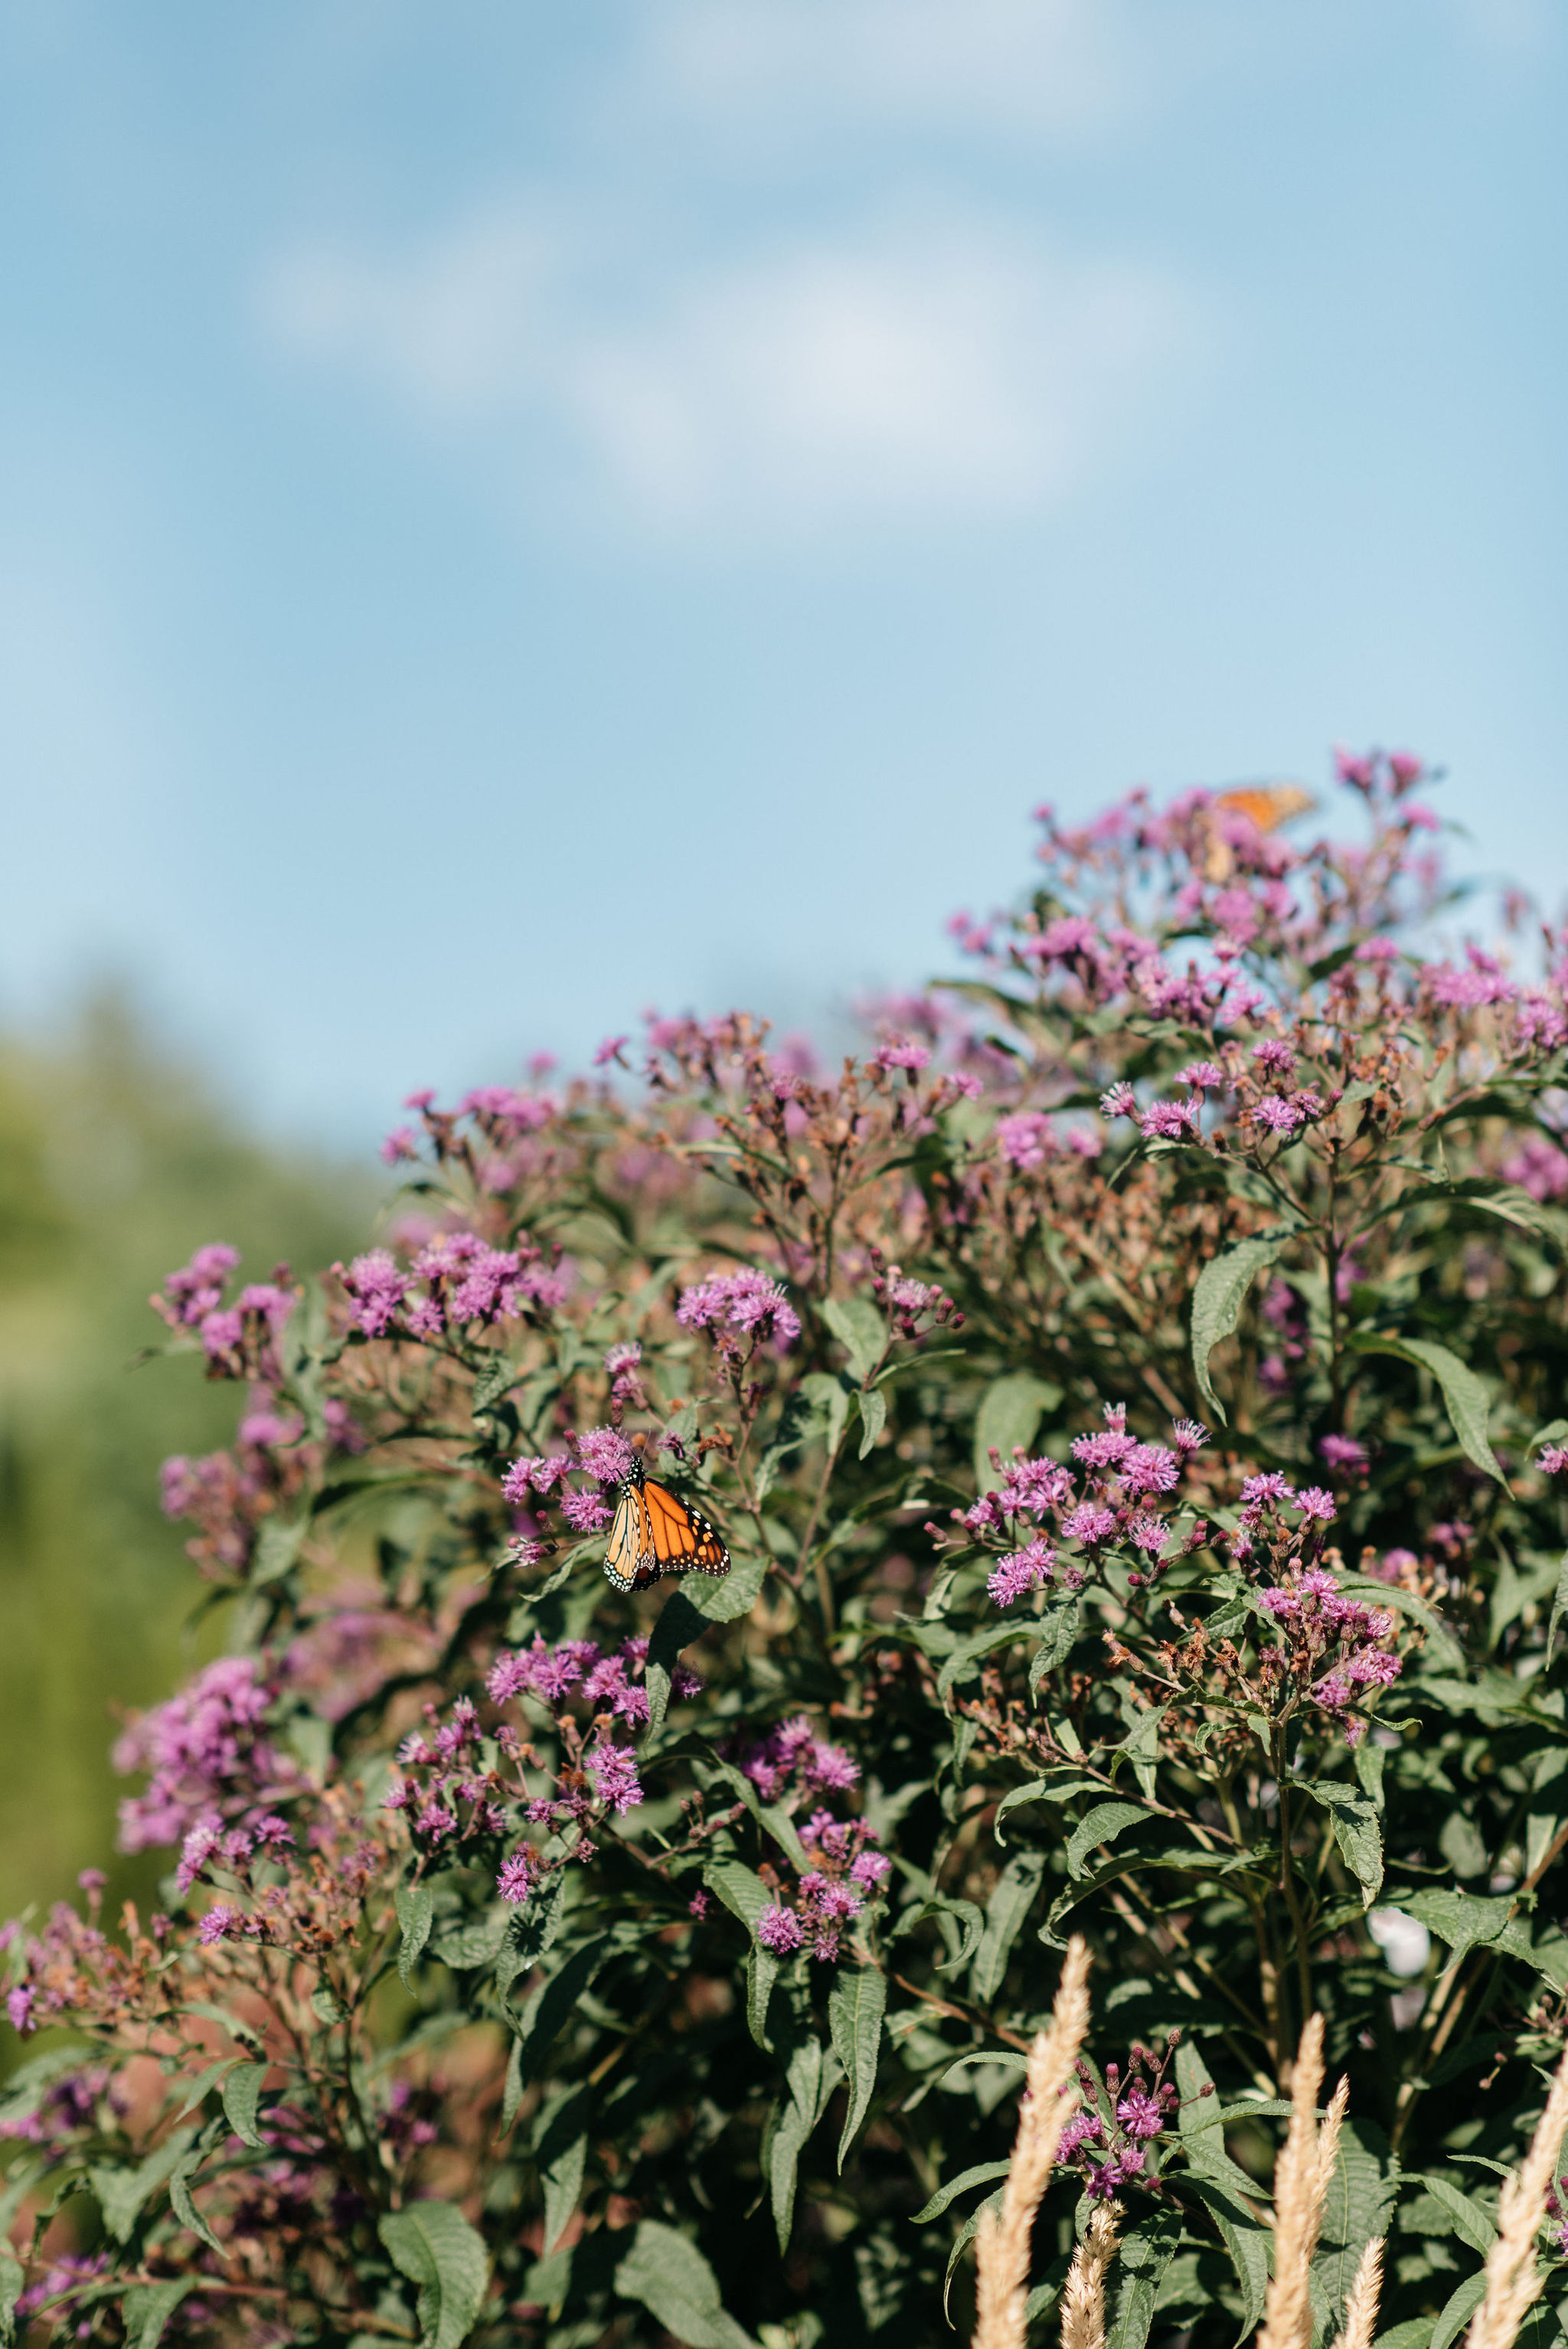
938 363
1056 67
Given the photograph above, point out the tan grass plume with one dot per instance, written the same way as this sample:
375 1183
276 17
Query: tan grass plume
1002 2240
1361 2308
1512 2278
1083 2294
1302 2174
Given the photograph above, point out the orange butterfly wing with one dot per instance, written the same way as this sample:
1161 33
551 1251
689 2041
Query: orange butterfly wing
681 1537
654 1533
1268 805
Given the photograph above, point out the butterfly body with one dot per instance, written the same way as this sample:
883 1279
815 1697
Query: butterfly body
654 1533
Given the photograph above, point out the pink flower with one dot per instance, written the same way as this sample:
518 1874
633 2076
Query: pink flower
1025 1139
779 1929
1089 1525
605 1453
515 1881
585 1513
1021 1571
1314 1502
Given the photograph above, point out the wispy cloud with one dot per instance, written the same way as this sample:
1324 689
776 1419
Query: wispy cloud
939 362
1065 68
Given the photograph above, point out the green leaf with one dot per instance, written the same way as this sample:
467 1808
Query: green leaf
1059 1629
277 1547
13 2278
1039 1790
1471 2223
1357 1829
1009 1904
1457 2310
966 2234
1009 1413
1463 1393
762 1973
1146 2251
860 1330
828 1402
121 2192
434 2246
415 1914
1559 1605
1357 2205
1101 1825
981 2173
146 2309
498 1378
668 2275
734 1594
551 2003
740 1889
1462 1919
1244 2237
185 2210
969 1651
1217 1301
242 2096
678 1625
512 2090
873 1419
561 2151
532 1932
798 2114
856 2005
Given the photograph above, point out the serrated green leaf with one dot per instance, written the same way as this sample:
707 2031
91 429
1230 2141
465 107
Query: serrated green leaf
1058 1628
734 1594
679 1624
1039 1790
415 1914
121 2193
856 2005
1357 1831
434 2246
532 1932
1357 2205
561 2151
668 2276
12 2280
1471 2223
550 2005
982 2173
146 2309
762 1973
1009 1413
1101 1825
1559 1606
873 1419
277 1547
1144 2254
1010 1902
1464 1396
185 2207
1217 1301
969 1652
799 2112
1457 2310
497 1378
740 1889
860 1330
241 2099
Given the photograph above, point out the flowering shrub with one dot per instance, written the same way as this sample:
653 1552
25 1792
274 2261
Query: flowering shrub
1128 1397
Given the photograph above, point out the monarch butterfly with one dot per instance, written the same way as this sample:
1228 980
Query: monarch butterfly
1267 805
655 1534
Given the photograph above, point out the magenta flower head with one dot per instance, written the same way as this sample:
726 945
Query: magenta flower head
613 1770
777 1929
748 1301
19 2006
515 1881
605 1453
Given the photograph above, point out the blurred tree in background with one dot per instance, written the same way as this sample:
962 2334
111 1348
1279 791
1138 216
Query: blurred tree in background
111 1155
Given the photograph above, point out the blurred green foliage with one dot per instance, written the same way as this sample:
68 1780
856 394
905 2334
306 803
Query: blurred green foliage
115 1162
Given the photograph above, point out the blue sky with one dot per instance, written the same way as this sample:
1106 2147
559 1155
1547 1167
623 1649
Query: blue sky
513 515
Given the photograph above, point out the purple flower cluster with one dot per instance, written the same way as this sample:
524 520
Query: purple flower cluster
1027 1138
455 1282
842 1874
239 1340
751 1303
914 1307
578 1670
1108 2138
1113 1498
207 1754
792 1759
1324 1625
